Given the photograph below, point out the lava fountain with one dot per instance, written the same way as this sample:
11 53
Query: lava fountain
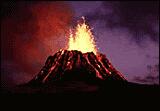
82 39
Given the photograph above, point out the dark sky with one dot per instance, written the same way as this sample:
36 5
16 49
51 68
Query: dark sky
127 32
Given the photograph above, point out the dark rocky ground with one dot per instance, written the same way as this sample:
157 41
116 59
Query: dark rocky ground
85 88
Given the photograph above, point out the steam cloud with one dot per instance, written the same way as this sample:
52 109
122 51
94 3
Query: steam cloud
30 31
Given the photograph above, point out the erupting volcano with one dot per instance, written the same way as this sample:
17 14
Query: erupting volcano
80 61
79 67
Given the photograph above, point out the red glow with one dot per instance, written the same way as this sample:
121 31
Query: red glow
31 33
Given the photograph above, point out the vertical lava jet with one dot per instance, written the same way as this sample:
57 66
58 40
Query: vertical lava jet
79 62
82 40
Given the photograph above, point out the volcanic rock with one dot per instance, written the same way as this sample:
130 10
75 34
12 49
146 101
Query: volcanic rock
74 65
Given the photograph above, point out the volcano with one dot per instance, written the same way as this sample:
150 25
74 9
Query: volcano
74 72
75 65
69 71
80 62
79 67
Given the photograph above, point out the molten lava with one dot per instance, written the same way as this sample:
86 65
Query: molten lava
82 40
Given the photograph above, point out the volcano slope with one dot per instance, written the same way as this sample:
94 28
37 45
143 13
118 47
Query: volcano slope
76 72
74 65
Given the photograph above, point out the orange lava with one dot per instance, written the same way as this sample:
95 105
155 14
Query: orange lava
82 39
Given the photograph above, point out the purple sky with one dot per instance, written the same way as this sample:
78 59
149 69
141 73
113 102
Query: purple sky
126 32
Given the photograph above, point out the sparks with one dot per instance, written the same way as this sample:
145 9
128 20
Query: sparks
82 40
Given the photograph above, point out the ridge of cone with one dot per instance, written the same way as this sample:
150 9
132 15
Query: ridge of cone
75 65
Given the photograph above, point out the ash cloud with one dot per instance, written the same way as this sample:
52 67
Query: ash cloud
30 32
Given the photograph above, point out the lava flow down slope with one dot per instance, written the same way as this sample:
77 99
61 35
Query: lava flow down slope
66 65
80 61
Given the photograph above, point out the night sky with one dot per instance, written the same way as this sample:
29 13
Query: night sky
126 32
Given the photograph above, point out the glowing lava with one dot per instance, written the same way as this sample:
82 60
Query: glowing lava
82 40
